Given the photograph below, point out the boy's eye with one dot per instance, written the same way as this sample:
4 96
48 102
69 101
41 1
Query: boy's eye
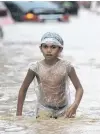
54 46
45 46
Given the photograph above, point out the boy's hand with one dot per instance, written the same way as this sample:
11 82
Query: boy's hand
71 111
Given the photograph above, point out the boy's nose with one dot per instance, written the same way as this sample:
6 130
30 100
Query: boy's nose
49 49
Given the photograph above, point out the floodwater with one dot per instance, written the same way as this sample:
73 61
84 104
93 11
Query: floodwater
20 47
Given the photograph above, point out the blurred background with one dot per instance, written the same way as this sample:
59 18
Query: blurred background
30 12
22 24
26 13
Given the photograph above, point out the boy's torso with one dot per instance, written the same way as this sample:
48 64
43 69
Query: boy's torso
52 83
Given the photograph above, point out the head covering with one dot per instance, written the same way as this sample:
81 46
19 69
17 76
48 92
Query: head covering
51 37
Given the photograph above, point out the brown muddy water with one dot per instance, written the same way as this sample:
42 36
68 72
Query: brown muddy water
82 51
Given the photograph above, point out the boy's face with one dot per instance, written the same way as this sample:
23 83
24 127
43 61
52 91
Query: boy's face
50 51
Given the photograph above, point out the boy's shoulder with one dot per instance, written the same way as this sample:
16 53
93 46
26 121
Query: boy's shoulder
66 62
33 65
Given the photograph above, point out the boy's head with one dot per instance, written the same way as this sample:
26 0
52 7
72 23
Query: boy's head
52 38
51 45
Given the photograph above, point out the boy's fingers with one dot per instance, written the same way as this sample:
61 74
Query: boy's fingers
19 117
66 114
70 114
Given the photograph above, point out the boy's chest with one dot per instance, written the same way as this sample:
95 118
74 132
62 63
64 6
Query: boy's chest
53 75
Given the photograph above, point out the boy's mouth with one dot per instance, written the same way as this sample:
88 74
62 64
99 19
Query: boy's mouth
48 54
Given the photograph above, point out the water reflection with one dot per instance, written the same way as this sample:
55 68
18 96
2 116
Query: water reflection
29 125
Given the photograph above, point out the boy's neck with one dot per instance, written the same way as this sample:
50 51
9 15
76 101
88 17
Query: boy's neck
51 62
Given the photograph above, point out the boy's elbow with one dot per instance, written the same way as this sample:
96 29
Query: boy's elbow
81 90
23 89
22 92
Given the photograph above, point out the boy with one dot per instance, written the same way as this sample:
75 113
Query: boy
52 75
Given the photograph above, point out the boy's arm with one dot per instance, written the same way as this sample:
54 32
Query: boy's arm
76 82
79 93
22 92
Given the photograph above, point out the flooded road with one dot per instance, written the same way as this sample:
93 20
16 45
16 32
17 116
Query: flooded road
20 47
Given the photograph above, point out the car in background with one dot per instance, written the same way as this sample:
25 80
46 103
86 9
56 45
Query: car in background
5 17
85 4
71 7
36 11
